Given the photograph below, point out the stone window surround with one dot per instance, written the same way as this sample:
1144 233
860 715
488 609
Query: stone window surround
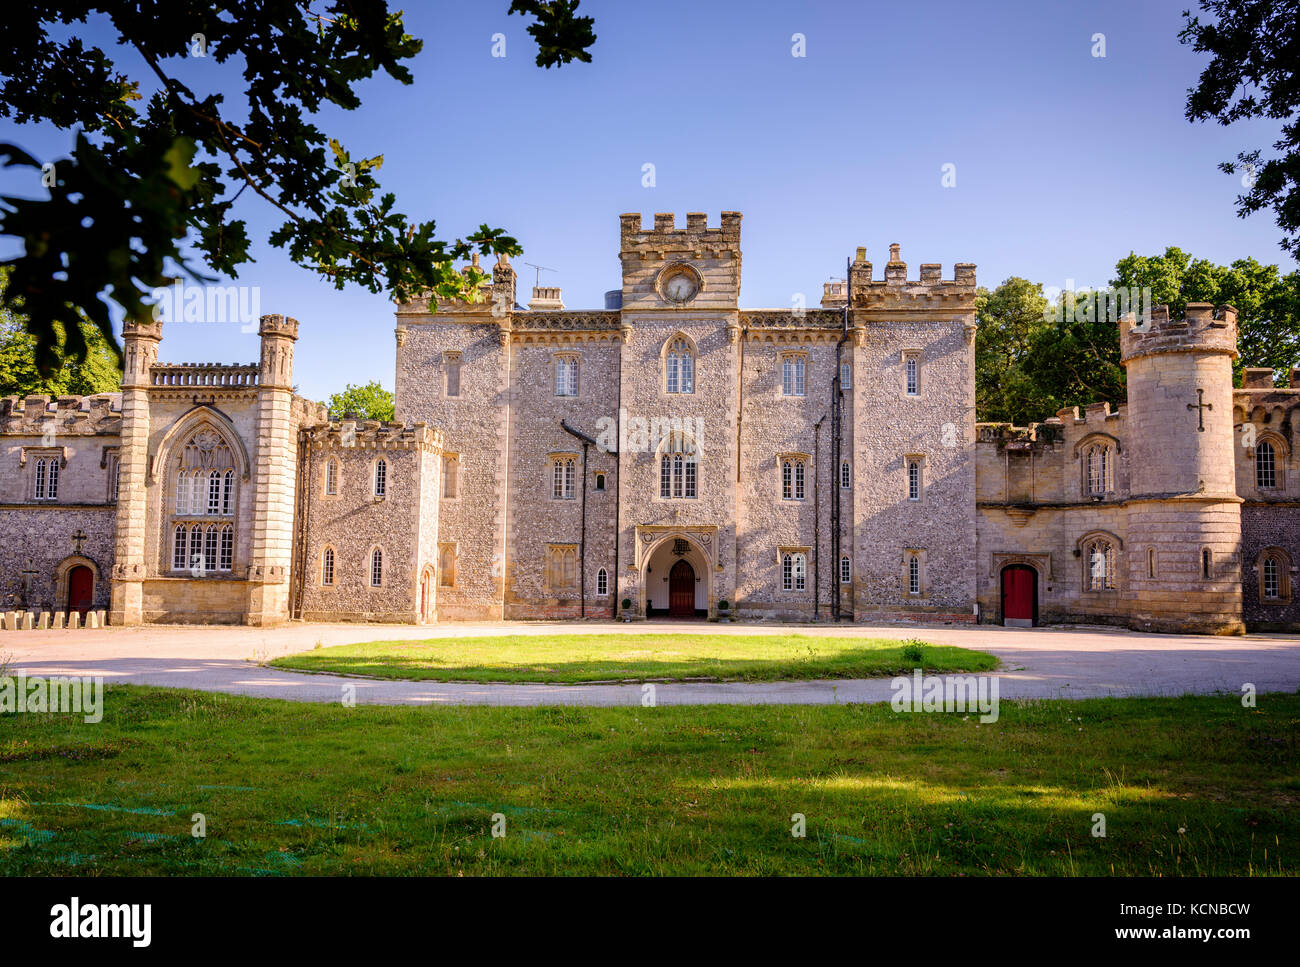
1081 550
452 459
694 351
328 549
374 478
793 550
555 564
554 459
905 574
37 455
450 359
1281 457
1285 570
920 461
110 460
325 476
566 355
846 560
370 566
791 354
919 356
795 458
447 550
1081 450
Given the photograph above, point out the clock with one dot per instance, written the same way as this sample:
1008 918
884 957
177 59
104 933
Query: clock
679 284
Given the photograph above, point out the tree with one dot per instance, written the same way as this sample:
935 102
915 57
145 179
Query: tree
1267 303
369 402
96 372
146 179
1008 318
1256 48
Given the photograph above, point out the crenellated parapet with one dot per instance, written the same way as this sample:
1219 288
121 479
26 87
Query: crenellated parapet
97 415
371 435
896 292
1037 436
1202 329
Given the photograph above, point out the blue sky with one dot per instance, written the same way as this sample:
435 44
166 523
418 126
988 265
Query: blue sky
1064 161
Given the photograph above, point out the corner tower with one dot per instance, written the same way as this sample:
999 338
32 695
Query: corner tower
1184 515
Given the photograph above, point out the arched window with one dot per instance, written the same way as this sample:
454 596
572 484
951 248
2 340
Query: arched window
327 567
1272 584
1101 566
913 366
563 474
846 570
679 367
792 374
331 476
1207 563
447 565
792 479
677 469
376 568
913 480
381 477
1097 459
1265 465
205 481
47 479
794 572
602 582
846 376
846 476
600 481
566 375
451 476
913 574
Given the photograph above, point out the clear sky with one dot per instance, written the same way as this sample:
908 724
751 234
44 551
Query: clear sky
1064 162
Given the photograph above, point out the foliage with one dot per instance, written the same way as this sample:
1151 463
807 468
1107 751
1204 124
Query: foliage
97 372
369 402
154 177
1256 49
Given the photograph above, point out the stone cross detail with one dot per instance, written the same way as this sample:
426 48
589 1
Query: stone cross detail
79 538
28 574
1200 406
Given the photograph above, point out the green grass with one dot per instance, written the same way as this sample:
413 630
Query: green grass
597 657
1195 786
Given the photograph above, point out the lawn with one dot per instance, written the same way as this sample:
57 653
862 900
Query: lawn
596 657
1195 786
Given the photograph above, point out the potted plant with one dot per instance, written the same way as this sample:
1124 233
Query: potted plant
724 610
627 609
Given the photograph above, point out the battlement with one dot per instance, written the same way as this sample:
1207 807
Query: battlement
1092 413
278 325
1202 329
930 290
1261 378
696 240
203 374
373 435
1036 436
78 415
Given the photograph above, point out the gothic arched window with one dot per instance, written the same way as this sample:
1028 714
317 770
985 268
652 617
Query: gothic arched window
678 469
1265 465
1101 566
679 367
203 487
1099 469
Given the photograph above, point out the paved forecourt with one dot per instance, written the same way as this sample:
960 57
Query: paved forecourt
1073 662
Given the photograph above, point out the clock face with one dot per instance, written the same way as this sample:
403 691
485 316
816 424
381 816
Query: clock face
680 287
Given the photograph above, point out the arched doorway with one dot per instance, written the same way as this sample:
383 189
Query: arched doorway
426 593
1019 596
681 590
81 589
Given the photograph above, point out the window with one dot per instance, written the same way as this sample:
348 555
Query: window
452 366
204 488
677 469
1151 562
600 481
381 477
331 476
602 582
1272 580
846 570
679 367
913 574
327 567
846 476
792 375
450 476
1207 563
1098 462
561 567
846 376
447 565
794 572
562 477
566 375
1265 465
1101 566
114 477
376 568
913 479
47 478
792 479
913 370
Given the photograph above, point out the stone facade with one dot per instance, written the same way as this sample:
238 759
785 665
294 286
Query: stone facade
671 451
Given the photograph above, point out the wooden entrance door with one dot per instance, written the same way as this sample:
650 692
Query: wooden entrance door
81 589
681 590
1019 596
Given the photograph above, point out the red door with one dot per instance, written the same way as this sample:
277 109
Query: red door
1019 595
81 589
681 590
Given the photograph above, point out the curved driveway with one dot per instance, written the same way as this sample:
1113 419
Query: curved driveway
1079 662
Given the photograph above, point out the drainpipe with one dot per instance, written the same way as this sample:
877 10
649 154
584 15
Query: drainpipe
582 541
837 449
817 519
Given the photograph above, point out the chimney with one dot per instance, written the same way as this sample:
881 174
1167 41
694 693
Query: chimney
546 298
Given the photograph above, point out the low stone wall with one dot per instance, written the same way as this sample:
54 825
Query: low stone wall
41 620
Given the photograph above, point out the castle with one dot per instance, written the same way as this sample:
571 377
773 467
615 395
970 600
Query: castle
670 454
